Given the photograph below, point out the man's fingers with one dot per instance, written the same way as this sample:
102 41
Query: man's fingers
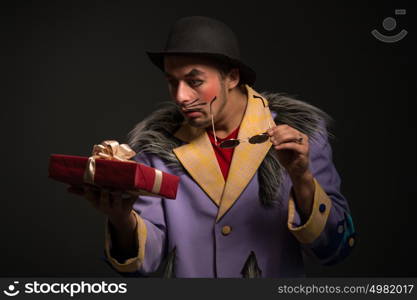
131 200
105 203
116 200
283 138
286 134
91 196
282 130
112 202
278 128
75 190
291 146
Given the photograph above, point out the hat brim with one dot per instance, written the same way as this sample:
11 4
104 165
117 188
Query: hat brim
247 74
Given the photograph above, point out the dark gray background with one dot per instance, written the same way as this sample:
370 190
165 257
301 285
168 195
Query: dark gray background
75 74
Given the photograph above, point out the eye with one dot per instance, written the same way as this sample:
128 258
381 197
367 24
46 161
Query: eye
195 82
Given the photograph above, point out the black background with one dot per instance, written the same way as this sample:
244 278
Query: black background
75 73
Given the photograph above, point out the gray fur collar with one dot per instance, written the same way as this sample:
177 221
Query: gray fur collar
155 135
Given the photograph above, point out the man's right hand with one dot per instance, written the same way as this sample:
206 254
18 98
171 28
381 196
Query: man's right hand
117 205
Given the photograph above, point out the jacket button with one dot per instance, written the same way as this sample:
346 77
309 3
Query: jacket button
226 230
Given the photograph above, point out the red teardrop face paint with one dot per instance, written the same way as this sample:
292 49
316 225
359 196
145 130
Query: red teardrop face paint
193 83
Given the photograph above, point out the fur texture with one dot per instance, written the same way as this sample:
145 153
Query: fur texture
154 135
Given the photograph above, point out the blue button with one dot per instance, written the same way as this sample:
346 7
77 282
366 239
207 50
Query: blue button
322 207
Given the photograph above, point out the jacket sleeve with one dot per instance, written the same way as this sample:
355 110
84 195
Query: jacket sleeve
328 234
150 236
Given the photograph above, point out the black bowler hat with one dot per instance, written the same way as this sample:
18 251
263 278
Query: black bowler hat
206 37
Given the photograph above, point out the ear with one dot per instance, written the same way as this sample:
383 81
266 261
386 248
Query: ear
233 78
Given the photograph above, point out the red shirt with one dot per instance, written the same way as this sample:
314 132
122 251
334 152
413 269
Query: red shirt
224 156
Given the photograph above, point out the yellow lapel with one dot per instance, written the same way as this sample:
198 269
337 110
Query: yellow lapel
199 159
246 157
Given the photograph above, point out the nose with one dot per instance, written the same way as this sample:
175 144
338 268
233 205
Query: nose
184 94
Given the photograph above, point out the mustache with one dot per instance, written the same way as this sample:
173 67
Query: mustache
192 106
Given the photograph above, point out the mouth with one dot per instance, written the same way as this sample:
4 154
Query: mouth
193 110
192 113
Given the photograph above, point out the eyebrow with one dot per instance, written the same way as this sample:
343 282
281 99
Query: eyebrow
192 73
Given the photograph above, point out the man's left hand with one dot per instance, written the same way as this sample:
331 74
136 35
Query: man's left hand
292 148
293 154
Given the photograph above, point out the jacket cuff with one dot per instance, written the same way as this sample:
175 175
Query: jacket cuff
134 263
316 222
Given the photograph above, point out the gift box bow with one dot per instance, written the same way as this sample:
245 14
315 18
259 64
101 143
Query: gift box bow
112 150
109 150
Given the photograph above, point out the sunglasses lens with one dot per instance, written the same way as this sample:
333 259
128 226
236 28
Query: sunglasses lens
260 138
229 144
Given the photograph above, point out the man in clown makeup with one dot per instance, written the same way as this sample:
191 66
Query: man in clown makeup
257 183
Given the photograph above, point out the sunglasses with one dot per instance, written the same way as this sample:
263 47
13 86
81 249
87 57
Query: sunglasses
232 143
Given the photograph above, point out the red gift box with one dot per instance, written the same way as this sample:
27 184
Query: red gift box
124 175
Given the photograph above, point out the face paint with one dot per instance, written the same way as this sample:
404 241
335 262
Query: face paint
193 84
193 105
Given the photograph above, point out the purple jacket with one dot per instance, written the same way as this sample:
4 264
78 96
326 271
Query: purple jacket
215 225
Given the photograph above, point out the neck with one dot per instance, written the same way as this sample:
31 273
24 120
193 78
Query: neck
232 113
